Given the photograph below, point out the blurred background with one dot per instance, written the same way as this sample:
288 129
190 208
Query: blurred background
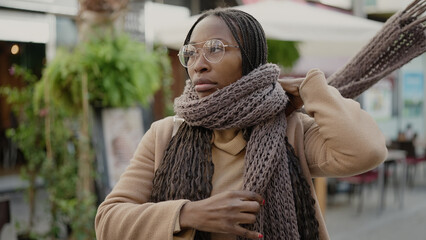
81 81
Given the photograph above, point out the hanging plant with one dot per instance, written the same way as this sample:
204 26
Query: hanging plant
120 73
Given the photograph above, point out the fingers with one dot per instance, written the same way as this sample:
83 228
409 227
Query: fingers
249 196
225 212
240 231
291 85
296 101
245 218
250 207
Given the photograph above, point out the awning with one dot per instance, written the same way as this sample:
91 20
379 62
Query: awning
282 20
23 26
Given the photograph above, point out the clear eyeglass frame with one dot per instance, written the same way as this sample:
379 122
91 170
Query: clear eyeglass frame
213 51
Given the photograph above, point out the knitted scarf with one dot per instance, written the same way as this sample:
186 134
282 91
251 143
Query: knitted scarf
256 102
402 38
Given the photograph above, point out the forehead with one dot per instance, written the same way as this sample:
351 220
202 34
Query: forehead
211 27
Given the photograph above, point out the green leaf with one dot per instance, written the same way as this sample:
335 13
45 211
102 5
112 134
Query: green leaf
284 53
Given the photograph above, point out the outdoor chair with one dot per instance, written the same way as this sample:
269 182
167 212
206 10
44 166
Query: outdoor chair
358 183
412 159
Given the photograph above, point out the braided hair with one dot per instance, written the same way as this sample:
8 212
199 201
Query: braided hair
251 40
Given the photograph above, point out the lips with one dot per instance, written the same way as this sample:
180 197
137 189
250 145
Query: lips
204 85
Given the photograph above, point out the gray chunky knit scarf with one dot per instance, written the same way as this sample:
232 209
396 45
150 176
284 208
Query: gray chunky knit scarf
255 101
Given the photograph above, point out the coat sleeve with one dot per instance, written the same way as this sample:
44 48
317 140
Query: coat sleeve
341 139
126 212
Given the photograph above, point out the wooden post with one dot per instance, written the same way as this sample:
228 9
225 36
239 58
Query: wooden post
321 190
85 185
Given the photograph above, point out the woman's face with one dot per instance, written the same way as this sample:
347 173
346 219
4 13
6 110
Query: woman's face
208 77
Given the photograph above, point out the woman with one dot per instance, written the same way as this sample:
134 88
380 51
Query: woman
237 162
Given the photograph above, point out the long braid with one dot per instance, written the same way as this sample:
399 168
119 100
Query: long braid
191 157
186 162
305 203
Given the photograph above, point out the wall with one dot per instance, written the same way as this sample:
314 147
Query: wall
409 84
413 76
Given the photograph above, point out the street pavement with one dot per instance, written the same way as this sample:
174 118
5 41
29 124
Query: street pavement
344 222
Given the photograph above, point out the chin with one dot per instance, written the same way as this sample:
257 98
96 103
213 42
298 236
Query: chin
205 94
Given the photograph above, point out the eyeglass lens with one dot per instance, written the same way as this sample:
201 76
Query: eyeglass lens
212 50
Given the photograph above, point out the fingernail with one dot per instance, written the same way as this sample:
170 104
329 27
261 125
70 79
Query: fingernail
260 235
263 202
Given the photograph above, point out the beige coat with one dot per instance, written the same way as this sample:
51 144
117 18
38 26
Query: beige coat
336 139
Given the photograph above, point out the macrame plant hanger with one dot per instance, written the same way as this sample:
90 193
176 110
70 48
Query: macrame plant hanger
402 38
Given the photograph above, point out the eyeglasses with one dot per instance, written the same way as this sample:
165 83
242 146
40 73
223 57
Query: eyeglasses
213 51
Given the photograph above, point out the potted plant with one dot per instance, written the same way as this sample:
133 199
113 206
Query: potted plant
113 71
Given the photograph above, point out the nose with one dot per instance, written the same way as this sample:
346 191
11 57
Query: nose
201 64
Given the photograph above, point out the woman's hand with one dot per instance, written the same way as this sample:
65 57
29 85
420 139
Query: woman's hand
291 86
223 213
